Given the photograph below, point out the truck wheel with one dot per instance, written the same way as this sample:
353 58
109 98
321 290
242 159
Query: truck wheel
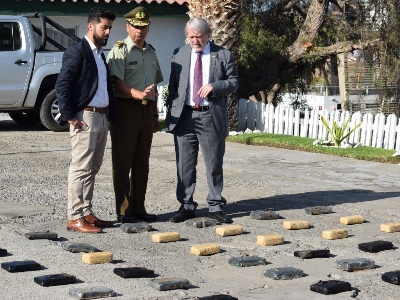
25 117
50 113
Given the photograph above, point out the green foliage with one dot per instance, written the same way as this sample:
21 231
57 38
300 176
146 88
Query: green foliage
338 133
306 144
257 43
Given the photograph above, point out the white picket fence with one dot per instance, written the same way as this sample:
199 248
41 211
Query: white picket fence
376 131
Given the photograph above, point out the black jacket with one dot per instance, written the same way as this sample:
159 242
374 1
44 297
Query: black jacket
77 82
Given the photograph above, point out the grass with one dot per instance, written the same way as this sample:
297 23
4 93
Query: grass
162 123
306 144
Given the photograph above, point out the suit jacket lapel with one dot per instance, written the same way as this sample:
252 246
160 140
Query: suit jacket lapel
187 51
213 57
88 51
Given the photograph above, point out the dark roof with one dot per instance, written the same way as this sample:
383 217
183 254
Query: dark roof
128 1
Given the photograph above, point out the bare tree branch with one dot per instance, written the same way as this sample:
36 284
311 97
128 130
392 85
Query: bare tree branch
309 31
343 4
288 5
342 47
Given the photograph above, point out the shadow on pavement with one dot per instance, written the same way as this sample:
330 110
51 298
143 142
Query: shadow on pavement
293 201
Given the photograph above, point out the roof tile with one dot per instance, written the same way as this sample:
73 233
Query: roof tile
129 1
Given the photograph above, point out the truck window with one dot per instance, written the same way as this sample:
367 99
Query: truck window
10 36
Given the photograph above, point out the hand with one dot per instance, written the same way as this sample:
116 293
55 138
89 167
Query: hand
77 124
148 94
205 90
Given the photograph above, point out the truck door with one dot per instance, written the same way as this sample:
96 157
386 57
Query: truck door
16 62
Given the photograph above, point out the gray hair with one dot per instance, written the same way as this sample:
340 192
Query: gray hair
199 25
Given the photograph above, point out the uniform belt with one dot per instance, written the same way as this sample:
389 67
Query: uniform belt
100 110
200 108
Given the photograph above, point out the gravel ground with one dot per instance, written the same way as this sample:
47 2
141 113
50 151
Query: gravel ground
33 182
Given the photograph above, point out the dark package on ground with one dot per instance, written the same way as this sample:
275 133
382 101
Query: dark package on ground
91 293
55 279
375 246
78 247
166 284
247 261
318 210
3 252
40 235
330 287
355 264
21 266
264 215
218 297
392 277
285 273
136 227
201 222
312 253
134 272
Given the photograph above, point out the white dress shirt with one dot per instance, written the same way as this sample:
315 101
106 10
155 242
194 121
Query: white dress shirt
205 60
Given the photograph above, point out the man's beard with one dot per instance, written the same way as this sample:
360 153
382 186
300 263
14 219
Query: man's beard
100 41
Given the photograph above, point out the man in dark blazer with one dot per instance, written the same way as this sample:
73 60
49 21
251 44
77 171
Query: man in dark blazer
202 76
85 96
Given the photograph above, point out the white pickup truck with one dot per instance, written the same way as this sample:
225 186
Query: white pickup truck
30 61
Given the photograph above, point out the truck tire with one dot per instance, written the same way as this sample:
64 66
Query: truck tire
25 117
50 113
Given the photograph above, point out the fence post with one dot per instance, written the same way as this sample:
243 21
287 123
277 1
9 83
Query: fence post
390 132
355 135
296 130
242 103
377 130
304 128
260 116
251 115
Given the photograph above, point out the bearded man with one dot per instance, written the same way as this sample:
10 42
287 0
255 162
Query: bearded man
85 96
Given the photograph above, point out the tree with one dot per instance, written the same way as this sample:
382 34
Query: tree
225 19
278 42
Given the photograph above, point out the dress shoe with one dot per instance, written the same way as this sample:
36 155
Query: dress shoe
182 216
127 219
81 225
93 220
220 217
146 217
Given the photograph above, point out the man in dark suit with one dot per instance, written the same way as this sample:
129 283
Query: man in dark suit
85 97
202 76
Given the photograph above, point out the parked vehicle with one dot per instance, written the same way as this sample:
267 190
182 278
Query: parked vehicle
30 62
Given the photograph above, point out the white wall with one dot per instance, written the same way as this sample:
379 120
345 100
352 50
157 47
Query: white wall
165 35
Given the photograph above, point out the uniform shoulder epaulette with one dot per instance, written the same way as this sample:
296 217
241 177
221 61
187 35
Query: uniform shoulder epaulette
151 46
119 44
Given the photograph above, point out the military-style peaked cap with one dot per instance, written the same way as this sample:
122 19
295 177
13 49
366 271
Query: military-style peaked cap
138 16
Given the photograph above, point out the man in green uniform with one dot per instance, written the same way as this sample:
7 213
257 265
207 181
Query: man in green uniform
135 73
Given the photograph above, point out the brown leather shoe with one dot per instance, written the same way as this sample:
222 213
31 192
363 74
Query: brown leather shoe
93 220
81 225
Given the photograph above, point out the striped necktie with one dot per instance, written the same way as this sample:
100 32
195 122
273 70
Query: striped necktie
198 79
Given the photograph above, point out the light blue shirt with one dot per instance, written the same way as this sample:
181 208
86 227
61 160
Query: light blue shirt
100 99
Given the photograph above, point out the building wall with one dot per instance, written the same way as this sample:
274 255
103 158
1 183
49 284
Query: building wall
165 35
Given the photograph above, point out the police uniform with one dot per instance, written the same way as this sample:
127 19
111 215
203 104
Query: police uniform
132 134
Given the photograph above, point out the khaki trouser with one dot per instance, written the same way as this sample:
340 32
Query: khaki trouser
87 156
131 138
